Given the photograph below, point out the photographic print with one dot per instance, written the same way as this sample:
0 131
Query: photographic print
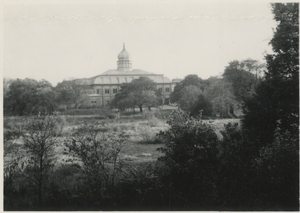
150 106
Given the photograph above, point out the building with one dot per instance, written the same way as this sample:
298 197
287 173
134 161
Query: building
102 88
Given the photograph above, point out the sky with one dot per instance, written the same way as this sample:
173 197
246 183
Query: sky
80 39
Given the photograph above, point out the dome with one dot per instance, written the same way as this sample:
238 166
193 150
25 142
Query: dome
124 55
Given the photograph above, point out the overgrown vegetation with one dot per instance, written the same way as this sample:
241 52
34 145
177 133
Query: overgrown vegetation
120 163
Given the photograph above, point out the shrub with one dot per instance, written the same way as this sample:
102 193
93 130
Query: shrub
235 171
98 153
139 188
28 172
112 116
147 134
278 172
40 136
191 159
93 111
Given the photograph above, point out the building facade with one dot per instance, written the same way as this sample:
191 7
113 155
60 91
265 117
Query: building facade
102 88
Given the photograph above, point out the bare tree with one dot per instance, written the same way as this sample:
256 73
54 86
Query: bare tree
97 151
40 137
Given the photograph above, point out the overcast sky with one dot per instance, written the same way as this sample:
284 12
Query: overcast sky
81 40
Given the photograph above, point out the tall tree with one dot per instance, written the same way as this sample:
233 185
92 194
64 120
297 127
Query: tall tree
139 92
190 162
244 77
71 92
29 96
276 101
271 121
39 136
221 96
187 81
189 96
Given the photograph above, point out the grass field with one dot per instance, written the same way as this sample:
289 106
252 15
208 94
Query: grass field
141 129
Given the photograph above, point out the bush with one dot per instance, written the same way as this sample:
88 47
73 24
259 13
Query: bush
33 162
93 111
278 172
147 135
191 159
97 151
269 176
235 170
140 189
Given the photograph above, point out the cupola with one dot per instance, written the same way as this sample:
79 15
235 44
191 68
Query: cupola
124 63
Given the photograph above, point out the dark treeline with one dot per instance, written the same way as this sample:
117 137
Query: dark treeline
254 166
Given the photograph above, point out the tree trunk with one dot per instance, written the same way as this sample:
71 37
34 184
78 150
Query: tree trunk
141 108
149 108
40 186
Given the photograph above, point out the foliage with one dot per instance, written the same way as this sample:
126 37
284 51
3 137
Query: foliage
271 121
189 95
6 84
190 159
139 185
189 80
26 97
235 170
202 107
70 92
244 77
98 151
10 134
221 96
278 170
138 92
277 97
39 136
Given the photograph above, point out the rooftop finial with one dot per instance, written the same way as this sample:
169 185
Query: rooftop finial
123 45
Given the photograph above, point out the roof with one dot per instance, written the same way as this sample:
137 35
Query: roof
133 72
123 55
118 77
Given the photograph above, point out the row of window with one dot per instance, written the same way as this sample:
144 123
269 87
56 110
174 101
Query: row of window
167 89
106 91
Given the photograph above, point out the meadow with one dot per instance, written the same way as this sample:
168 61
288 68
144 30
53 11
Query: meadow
141 129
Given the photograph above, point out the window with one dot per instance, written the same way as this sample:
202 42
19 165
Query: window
115 91
107 102
106 91
93 102
98 91
167 89
160 89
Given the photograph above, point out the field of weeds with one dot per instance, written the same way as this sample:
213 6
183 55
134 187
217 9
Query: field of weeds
141 129
120 161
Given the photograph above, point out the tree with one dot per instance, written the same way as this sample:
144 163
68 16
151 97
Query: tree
189 95
71 92
221 96
277 97
98 152
6 84
29 96
244 77
271 120
139 92
150 99
202 106
187 81
191 160
40 137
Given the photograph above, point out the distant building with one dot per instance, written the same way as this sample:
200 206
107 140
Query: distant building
103 88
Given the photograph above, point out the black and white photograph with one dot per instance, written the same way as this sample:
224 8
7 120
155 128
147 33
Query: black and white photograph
158 105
